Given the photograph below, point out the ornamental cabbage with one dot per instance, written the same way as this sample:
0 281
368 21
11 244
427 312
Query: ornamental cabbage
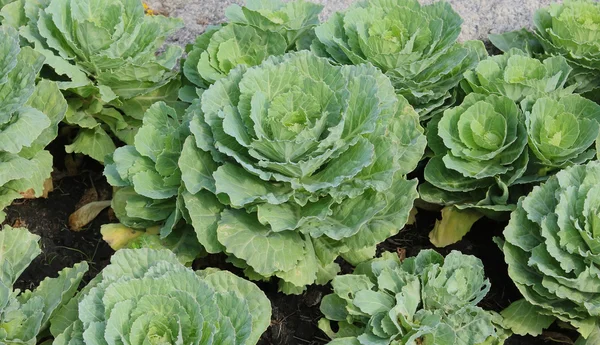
254 32
551 248
279 157
414 45
147 297
569 29
489 151
561 132
147 173
24 316
518 76
480 152
29 117
103 53
426 300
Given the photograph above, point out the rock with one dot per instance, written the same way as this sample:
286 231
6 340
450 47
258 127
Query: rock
481 16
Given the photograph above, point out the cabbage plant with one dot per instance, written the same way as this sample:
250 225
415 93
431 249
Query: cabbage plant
480 153
551 248
568 29
29 117
489 151
561 132
146 296
103 53
426 300
518 76
253 33
414 45
146 172
561 126
25 315
279 158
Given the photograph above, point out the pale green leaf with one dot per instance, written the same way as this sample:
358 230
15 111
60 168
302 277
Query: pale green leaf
522 318
241 233
18 248
95 143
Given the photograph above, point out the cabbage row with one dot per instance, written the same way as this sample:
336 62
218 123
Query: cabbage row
288 145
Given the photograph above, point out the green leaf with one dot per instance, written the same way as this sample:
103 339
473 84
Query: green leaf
181 241
523 318
18 248
289 216
205 212
38 169
56 292
372 302
95 143
593 338
520 39
197 167
334 308
48 99
24 130
548 251
306 271
168 93
19 83
240 233
243 188
105 56
9 49
259 307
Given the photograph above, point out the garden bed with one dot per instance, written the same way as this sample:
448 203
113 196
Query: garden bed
292 149
294 319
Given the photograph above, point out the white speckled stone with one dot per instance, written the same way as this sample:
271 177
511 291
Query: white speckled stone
481 17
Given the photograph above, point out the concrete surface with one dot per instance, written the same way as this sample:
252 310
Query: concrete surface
481 17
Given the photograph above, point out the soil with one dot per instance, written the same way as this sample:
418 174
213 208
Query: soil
76 181
294 320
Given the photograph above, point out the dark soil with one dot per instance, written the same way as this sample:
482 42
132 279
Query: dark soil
294 320
75 183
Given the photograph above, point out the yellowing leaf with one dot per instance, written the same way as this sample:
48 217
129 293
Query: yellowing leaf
118 235
454 225
48 187
86 214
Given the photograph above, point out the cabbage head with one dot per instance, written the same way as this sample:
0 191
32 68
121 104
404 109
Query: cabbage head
561 132
489 151
551 248
25 315
279 157
29 117
518 76
291 149
561 126
414 45
103 53
146 296
568 29
426 300
480 152
253 33
147 174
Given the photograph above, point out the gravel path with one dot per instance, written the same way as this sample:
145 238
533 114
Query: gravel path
481 16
